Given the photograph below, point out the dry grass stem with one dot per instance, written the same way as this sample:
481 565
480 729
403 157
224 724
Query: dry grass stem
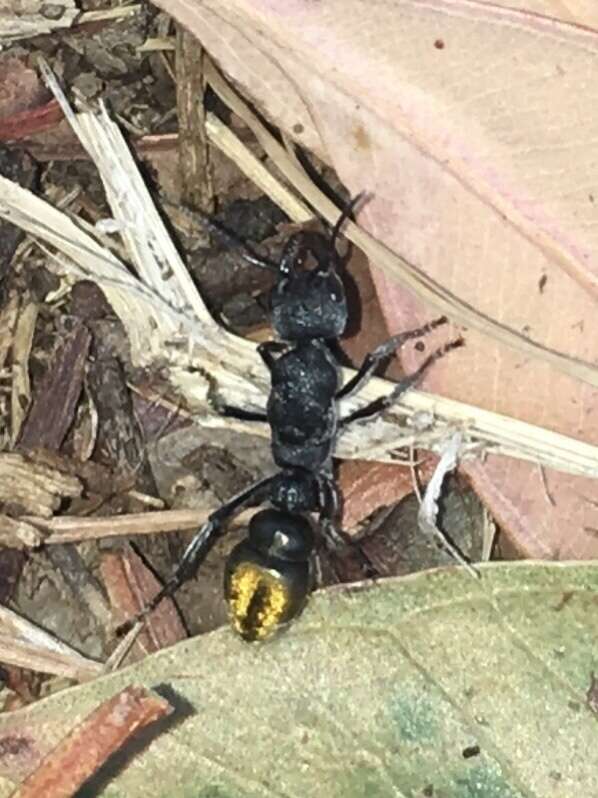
25 645
75 529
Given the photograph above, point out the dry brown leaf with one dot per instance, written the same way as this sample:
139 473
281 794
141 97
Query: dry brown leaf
20 86
368 486
470 125
130 586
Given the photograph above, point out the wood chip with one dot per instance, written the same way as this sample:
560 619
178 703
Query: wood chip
89 745
8 319
18 534
53 409
21 350
36 488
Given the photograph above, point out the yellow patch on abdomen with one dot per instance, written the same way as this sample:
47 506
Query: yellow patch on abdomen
258 601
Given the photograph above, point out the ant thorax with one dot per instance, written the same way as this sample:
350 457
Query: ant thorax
301 407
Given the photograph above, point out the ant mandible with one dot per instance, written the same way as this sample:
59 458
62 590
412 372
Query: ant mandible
270 574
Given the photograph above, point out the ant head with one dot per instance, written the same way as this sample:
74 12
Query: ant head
309 302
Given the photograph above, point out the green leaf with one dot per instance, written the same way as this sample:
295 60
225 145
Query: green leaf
433 685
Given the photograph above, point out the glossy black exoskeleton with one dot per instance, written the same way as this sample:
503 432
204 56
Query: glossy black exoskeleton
270 574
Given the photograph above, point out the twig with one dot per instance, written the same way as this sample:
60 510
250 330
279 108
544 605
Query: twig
72 529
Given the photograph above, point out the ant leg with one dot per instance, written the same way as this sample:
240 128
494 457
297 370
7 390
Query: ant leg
345 214
266 352
230 411
373 359
233 241
384 402
203 540
337 541
318 575
294 252
329 500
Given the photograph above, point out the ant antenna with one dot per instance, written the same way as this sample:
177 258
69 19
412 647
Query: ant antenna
234 241
345 214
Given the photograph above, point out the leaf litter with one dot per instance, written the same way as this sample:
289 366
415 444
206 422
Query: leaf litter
480 164
234 379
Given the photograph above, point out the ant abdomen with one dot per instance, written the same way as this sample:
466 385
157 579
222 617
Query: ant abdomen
281 535
268 575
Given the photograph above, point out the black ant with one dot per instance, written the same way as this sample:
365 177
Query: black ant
270 574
